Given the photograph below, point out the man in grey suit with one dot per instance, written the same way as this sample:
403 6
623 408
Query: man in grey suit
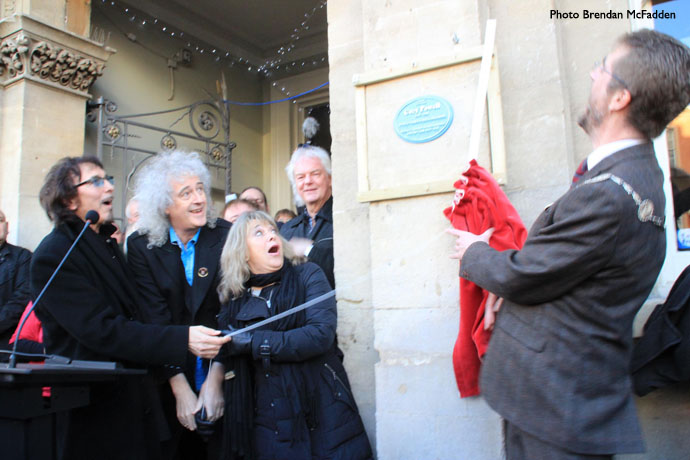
557 368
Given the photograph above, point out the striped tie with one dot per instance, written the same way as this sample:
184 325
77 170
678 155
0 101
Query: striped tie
580 171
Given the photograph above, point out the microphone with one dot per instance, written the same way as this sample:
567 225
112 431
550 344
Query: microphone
91 218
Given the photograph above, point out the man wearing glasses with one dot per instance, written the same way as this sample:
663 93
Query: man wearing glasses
557 367
93 311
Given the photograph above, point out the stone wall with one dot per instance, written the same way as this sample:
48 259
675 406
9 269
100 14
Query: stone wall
45 75
397 289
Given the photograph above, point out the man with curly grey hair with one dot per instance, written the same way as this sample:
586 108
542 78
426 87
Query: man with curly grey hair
311 233
175 254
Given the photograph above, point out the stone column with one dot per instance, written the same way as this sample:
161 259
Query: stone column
47 66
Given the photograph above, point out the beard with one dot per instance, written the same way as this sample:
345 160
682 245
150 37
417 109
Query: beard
590 120
107 216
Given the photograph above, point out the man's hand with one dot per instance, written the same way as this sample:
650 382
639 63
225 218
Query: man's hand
300 245
491 308
204 343
465 239
185 401
211 394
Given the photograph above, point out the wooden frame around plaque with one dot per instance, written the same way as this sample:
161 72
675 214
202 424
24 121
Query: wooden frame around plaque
495 124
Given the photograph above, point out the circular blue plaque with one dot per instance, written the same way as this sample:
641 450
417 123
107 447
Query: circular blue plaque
423 119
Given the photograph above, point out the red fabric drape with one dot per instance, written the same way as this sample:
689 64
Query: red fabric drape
479 204
32 330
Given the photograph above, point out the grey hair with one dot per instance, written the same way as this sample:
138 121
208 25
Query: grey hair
306 151
155 194
234 266
128 208
310 127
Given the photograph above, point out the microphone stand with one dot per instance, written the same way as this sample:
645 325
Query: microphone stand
13 357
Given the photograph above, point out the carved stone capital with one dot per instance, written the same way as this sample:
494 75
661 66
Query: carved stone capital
48 55
13 53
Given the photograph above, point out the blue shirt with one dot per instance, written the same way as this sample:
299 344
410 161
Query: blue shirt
186 253
187 256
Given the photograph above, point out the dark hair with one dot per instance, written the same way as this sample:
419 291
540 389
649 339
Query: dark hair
58 187
656 70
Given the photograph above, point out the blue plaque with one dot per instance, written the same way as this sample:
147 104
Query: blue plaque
684 238
423 119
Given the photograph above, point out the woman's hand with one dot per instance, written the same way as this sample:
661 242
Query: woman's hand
185 400
491 308
211 394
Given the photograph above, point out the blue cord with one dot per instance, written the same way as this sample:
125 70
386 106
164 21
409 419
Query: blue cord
280 100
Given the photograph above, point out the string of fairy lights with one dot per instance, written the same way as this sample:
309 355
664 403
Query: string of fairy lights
280 63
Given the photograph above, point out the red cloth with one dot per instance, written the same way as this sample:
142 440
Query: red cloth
32 330
479 204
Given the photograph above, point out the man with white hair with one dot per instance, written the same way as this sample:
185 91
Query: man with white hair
311 233
175 254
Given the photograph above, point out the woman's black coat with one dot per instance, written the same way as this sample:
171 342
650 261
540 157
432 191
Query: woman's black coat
303 404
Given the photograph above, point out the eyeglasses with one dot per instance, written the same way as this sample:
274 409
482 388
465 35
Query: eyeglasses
602 66
98 181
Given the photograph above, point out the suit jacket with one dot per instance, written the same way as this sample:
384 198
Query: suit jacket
15 291
92 311
558 361
322 235
161 280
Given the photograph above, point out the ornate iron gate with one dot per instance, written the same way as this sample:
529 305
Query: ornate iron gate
136 142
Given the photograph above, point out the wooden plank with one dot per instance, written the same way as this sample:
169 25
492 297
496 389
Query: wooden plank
378 76
496 133
407 191
480 100
362 147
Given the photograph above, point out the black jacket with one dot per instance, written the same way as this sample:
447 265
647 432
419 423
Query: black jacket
303 404
661 356
160 277
322 235
92 311
15 290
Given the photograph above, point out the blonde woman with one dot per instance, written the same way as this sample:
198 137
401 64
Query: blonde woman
287 394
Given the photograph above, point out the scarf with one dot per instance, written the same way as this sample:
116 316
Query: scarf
239 391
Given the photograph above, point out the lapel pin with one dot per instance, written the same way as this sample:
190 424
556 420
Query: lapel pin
203 272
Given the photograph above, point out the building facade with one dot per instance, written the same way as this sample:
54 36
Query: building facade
397 288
